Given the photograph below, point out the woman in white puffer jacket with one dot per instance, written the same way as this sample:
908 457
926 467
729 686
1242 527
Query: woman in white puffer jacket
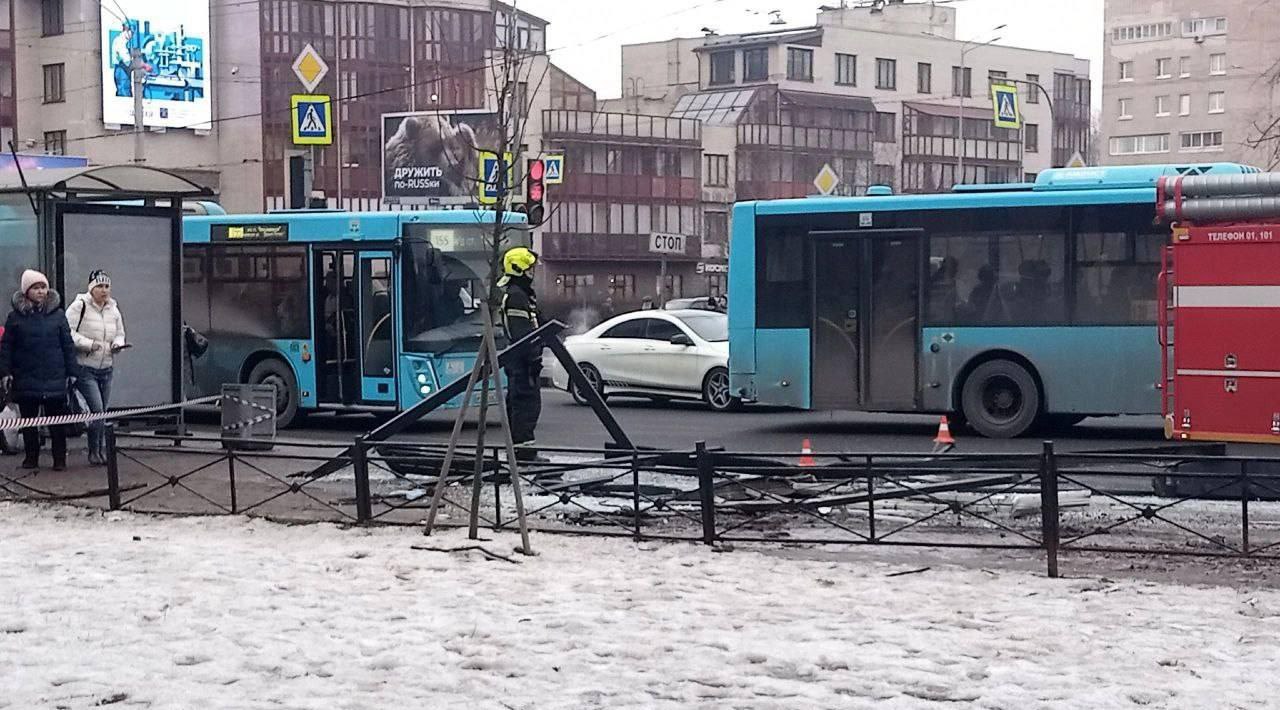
97 328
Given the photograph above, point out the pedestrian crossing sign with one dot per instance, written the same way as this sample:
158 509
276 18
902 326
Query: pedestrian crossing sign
492 178
312 120
555 169
1004 101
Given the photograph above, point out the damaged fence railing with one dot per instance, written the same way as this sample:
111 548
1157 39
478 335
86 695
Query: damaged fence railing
1046 502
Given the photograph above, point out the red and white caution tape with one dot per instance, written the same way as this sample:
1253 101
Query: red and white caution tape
9 423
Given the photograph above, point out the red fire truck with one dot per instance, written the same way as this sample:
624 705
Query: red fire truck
1220 307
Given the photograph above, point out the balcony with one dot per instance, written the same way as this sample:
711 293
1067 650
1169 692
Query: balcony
621 127
627 188
610 247
804 138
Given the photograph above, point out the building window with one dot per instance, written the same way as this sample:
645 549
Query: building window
1201 141
799 64
55 83
886 127
1164 67
1184 105
1217 101
574 286
717 170
1126 71
1140 145
50 17
722 67
887 74
962 81
1162 105
924 78
55 142
755 64
1184 67
1032 140
995 76
882 175
1202 26
1125 112
1033 88
622 286
1217 64
674 287
1135 33
847 69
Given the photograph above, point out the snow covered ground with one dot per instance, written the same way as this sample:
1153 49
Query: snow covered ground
234 613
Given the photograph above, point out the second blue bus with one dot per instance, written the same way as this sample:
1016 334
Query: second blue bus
1005 306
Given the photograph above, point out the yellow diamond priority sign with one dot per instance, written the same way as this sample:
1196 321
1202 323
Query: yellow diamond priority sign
827 180
310 68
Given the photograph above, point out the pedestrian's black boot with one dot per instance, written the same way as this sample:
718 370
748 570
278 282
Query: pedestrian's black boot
30 461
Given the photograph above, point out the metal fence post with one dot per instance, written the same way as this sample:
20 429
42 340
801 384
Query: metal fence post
635 492
360 460
231 480
1244 507
1049 506
706 491
871 499
113 467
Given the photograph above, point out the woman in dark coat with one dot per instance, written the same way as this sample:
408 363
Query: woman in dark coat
38 363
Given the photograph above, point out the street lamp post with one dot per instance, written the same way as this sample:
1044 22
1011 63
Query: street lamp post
965 48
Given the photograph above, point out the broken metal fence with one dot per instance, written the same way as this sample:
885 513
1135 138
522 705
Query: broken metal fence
1050 503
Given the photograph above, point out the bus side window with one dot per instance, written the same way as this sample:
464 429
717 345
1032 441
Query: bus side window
782 292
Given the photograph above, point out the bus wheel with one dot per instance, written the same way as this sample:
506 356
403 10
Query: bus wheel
275 372
1000 399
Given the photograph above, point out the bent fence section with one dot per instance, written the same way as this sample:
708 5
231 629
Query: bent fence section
1050 503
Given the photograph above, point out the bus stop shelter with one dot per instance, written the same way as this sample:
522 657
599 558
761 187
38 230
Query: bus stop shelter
126 220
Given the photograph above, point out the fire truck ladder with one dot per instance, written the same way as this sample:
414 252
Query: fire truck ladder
1166 288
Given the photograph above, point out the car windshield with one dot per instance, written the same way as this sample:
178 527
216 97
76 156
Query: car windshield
444 272
713 328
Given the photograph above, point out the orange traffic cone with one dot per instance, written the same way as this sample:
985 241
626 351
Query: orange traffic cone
806 454
943 441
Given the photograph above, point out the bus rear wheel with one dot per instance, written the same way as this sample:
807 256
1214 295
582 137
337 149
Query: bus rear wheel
275 372
1000 399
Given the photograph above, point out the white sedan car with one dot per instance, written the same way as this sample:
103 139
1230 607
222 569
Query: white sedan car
657 354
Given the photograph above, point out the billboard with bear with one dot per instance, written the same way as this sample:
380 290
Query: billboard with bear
434 158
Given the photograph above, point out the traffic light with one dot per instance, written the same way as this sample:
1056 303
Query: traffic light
535 191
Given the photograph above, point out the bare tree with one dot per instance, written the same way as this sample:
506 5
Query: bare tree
1264 133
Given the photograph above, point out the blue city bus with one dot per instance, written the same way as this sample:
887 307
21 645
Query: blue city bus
1004 306
341 311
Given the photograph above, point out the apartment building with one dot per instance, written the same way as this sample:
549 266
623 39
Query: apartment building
1191 81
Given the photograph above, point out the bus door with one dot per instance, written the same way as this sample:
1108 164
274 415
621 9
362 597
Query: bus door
377 329
337 336
866 311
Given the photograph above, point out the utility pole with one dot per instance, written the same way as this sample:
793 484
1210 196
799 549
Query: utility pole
136 74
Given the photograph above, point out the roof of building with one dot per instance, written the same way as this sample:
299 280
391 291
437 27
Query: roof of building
790 36
947 110
717 108
813 99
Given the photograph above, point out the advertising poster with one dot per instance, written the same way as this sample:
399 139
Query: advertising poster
435 157
173 38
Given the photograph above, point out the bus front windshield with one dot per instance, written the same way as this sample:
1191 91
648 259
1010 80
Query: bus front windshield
445 272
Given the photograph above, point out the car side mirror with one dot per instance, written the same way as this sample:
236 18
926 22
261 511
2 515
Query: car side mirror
681 339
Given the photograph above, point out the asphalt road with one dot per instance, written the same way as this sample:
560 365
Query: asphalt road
678 425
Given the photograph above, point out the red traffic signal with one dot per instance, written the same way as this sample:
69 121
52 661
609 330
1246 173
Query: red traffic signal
535 191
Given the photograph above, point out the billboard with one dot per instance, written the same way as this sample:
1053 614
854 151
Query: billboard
435 157
173 38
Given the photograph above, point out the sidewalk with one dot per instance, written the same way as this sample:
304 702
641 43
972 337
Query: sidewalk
231 613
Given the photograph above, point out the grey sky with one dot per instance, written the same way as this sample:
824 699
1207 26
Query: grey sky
577 27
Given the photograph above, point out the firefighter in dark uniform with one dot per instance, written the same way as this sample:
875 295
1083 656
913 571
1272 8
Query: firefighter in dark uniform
519 311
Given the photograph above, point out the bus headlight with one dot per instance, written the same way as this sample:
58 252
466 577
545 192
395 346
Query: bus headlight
424 390
422 379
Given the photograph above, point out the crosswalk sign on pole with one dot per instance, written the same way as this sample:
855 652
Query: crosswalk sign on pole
312 120
492 178
1004 102
554 169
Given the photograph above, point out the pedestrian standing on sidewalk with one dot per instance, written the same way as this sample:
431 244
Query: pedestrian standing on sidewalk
97 329
38 363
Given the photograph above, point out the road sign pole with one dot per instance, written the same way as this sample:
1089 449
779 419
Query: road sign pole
662 283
